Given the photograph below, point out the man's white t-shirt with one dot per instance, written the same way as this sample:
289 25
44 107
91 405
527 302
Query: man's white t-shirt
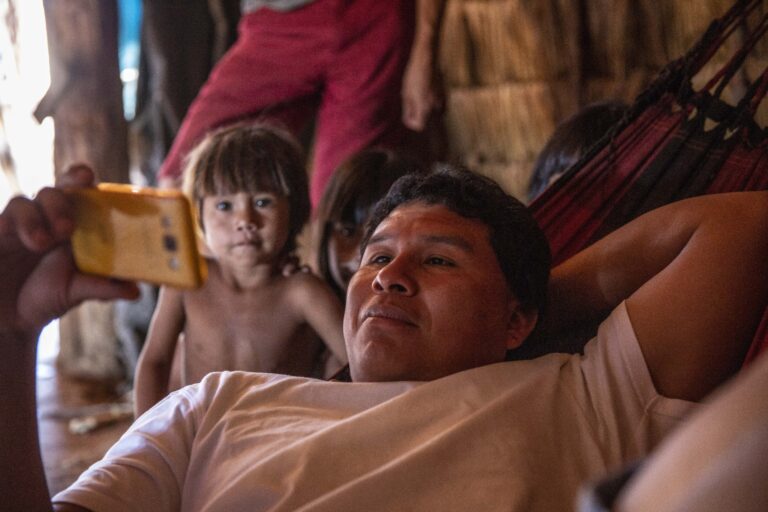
517 436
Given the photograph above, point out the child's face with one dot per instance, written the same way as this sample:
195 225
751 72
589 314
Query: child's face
344 251
246 228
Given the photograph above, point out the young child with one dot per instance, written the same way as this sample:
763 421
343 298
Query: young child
353 190
571 140
250 190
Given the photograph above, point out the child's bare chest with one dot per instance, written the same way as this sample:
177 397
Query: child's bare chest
256 330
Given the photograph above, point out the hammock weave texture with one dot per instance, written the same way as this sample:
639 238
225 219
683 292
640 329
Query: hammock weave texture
674 143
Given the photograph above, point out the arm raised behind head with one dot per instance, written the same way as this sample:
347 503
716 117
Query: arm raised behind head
693 275
40 283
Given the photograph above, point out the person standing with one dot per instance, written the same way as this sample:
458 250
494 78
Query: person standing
345 62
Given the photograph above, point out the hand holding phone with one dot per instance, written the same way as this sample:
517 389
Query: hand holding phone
138 234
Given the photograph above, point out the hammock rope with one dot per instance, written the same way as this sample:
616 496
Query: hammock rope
674 142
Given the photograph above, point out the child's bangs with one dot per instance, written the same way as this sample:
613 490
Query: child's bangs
242 169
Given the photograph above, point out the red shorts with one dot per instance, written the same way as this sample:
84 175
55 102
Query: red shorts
341 60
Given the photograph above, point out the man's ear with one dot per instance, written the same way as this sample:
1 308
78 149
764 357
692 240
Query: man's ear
521 324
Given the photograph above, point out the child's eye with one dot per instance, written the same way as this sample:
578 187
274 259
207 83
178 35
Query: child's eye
223 206
345 230
262 202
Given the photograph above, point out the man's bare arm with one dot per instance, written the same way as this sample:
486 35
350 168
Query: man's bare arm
22 476
40 282
693 274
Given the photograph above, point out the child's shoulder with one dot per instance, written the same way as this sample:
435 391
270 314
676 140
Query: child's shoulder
303 280
307 284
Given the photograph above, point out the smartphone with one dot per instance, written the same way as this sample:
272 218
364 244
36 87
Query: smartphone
138 234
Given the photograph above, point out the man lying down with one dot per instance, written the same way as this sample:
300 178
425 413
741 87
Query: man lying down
454 273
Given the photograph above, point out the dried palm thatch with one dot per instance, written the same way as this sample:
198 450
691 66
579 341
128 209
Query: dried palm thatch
678 24
627 34
623 89
512 176
761 50
612 37
755 67
757 60
486 42
761 117
505 123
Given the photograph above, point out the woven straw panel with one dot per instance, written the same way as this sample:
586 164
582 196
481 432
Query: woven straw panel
507 65
491 42
755 67
512 176
761 50
682 22
504 123
613 37
757 64
621 89
627 34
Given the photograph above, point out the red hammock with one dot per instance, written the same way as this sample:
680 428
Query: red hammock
673 143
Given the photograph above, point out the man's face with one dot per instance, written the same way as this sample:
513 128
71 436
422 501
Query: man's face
428 300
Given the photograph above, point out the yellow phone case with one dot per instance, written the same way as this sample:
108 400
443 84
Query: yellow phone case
138 234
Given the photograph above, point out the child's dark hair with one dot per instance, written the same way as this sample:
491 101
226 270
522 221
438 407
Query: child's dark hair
518 242
251 157
351 194
570 140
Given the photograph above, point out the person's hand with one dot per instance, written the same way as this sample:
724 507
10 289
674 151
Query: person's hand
39 279
292 265
421 91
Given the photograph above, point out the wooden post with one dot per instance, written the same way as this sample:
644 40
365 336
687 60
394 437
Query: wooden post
85 101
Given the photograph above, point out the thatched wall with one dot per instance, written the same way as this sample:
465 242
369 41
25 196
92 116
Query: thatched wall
514 68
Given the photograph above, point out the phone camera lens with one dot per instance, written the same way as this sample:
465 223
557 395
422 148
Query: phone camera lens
169 242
